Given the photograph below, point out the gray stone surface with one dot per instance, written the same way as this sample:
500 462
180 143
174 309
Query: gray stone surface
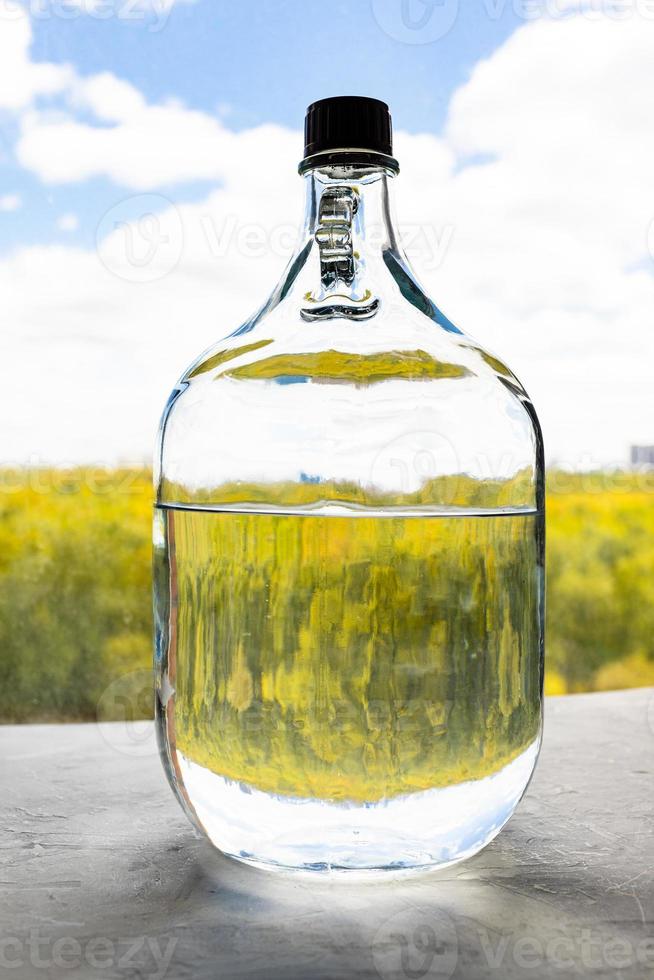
102 876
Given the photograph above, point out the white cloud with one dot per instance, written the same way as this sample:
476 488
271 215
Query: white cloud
149 147
547 262
10 202
111 99
20 78
68 222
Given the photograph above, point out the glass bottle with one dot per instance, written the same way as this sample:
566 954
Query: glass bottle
349 554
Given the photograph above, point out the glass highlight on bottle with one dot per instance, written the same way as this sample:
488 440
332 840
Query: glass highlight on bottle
349 547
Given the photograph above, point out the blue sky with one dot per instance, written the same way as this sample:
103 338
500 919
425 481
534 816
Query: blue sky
248 62
264 59
526 146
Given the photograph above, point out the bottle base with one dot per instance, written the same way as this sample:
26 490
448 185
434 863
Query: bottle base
421 831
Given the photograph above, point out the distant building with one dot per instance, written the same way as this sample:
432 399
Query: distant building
642 456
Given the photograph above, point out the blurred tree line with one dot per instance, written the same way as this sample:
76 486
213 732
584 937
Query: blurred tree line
75 573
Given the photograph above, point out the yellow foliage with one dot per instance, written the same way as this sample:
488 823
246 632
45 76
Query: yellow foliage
634 671
75 581
554 683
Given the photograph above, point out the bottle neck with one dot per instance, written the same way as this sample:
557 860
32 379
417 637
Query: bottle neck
373 225
349 227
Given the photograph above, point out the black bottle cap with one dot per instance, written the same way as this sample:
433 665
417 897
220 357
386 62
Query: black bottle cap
348 129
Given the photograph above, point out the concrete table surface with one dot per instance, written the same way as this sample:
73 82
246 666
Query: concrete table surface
102 876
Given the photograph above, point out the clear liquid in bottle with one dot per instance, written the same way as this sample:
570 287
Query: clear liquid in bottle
351 691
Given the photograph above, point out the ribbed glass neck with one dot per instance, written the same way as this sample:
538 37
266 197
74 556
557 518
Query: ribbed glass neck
373 225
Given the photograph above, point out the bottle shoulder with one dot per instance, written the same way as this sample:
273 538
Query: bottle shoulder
402 342
401 413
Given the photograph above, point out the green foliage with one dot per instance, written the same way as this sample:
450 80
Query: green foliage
75 607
